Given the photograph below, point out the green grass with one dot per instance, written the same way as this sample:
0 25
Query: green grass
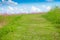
54 17
28 27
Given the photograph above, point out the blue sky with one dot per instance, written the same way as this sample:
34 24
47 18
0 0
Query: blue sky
31 1
27 6
20 1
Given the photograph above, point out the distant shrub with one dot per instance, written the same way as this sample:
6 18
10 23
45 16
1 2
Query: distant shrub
53 15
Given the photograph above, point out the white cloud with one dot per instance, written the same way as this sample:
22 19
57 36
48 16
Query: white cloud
5 0
44 6
13 2
19 10
10 1
24 10
48 8
2 8
2 0
35 9
10 8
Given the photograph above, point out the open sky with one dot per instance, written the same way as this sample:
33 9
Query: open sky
27 6
31 1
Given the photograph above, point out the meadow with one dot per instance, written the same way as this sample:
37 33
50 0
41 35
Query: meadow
44 26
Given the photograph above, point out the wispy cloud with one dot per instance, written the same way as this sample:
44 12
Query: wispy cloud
10 8
48 8
2 0
35 9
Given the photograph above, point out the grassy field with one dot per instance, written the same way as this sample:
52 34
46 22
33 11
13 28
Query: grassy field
28 27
